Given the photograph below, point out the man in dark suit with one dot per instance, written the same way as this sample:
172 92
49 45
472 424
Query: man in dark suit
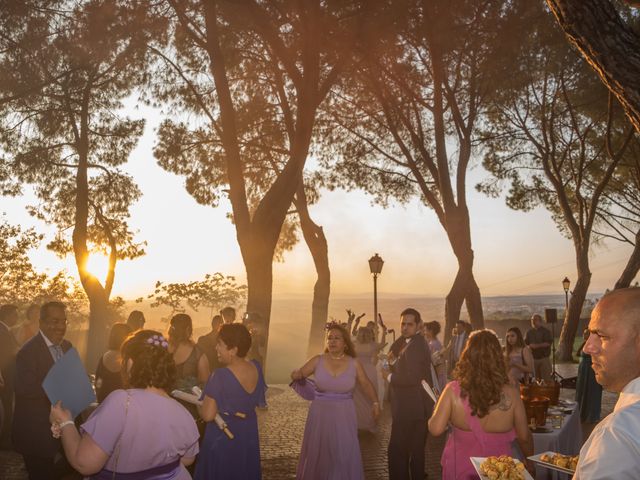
410 405
43 454
8 350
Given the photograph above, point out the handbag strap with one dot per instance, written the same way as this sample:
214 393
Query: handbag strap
126 411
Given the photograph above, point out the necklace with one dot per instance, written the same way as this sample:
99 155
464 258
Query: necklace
337 357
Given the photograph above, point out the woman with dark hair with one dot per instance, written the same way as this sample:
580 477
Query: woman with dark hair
518 356
431 331
108 372
330 448
486 413
141 432
588 390
192 366
233 391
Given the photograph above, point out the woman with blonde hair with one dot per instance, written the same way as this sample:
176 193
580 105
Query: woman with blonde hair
485 411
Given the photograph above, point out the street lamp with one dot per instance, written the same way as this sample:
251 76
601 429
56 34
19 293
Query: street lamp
375 265
566 283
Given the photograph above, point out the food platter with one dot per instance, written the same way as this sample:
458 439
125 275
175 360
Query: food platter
538 459
477 461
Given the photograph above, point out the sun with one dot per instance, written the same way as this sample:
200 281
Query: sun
98 265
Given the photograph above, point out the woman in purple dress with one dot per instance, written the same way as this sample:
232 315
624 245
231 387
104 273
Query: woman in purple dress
330 448
141 432
234 392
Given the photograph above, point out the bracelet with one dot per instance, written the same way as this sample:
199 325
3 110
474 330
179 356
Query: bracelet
64 424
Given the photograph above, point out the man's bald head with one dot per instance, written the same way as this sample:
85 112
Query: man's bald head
614 343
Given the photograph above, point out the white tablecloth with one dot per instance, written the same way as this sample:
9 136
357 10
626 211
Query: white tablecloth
566 440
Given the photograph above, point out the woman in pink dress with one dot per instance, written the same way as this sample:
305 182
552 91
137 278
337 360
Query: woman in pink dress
486 413
518 357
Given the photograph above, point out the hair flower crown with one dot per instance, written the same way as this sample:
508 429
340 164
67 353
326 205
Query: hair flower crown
158 341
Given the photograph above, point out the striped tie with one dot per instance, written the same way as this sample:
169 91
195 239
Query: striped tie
57 352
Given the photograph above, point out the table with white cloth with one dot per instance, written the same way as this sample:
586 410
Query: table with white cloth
566 440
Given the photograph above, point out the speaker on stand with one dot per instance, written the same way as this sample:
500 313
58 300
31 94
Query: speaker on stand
551 317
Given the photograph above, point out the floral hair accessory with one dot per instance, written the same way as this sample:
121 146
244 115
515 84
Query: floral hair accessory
332 324
158 341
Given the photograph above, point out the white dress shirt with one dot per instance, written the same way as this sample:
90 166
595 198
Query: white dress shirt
612 451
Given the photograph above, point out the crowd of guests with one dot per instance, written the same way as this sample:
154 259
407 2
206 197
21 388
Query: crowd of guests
138 430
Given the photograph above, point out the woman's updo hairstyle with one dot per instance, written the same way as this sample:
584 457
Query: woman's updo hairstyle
180 330
433 327
235 335
153 365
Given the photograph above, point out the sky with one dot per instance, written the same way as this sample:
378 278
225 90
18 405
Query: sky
516 253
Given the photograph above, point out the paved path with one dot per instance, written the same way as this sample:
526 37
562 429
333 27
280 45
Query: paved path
282 426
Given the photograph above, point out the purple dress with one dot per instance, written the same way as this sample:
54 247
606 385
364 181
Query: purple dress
366 353
220 457
144 432
462 444
330 448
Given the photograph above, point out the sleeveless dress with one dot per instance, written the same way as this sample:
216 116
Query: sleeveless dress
462 444
515 374
106 381
366 353
330 448
222 458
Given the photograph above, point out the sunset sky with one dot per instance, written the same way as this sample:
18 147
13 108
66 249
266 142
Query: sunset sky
517 253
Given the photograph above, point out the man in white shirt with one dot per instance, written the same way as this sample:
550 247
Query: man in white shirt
612 451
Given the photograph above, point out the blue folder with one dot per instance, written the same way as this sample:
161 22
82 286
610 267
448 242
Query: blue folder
68 381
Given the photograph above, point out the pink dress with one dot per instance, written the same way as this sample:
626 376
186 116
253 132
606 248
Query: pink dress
462 444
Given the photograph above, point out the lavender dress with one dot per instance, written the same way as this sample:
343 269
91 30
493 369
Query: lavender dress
146 433
330 448
366 353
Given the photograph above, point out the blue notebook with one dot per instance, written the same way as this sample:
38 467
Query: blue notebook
68 381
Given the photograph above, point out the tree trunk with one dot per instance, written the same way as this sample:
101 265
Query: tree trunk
100 321
611 47
631 269
258 260
317 243
572 319
464 287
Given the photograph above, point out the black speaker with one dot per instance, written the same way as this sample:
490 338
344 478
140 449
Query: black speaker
551 315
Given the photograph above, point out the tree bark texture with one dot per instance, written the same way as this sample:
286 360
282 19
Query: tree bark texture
631 269
317 244
576 301
610 46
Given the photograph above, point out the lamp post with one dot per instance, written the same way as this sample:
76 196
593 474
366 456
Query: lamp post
566 283
375 265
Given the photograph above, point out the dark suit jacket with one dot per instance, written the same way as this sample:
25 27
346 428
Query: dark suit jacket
31 427
409 401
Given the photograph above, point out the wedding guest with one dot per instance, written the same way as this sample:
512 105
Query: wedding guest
136 320
234 391
228 315
518 357
485 412
330 447
612 451
539 340
30 326
42 454
207 343
108 372
192 366
409 366
139 433
460 335
431 331
8 350
367 350
588 390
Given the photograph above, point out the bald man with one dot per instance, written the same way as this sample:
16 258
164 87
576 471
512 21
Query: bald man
612 451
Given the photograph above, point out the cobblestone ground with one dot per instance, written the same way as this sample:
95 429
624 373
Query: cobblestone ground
282 426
